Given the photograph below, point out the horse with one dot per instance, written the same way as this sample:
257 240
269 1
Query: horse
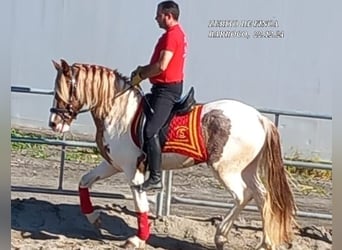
241 146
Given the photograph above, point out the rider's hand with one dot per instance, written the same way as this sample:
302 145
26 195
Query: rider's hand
136 77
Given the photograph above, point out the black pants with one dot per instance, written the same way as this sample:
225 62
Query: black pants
163 97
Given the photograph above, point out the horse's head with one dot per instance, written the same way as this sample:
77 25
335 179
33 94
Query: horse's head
66 104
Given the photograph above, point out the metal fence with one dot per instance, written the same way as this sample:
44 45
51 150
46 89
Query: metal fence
165 198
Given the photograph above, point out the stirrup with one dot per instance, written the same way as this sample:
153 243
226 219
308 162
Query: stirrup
151 187
147 185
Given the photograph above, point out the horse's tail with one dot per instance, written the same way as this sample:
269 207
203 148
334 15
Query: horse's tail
279 207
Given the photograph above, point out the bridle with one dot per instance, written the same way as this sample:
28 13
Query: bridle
70 112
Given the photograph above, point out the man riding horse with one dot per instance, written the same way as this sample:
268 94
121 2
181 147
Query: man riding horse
240 145
166 73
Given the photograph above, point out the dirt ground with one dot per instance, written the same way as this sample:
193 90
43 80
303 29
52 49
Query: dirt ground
47 221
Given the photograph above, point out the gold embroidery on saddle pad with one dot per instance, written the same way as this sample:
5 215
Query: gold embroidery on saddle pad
184 135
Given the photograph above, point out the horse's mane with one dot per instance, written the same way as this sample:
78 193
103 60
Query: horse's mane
98 88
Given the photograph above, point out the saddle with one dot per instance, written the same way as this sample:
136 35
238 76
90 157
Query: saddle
181 107
182 133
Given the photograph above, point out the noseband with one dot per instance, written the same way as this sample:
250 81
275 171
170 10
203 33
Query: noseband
69 112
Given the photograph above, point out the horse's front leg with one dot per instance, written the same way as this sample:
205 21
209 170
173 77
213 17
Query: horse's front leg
102 171
142 209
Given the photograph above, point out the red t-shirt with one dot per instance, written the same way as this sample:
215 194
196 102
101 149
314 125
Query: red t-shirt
173 40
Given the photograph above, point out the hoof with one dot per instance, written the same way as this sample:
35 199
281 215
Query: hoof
97 223
263 246
220 241
134 243
94 218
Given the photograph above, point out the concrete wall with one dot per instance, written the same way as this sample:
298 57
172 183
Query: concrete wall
290 71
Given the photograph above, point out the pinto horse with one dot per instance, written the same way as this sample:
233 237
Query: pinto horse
241 146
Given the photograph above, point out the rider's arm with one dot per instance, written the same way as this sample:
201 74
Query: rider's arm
151 70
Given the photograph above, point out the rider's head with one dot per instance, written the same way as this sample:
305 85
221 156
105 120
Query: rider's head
167 14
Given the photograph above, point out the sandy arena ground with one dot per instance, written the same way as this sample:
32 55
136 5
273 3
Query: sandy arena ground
46 221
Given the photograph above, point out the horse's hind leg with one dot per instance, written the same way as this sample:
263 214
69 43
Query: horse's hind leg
259 200
250 177
241 194
223 229
259 194
102 171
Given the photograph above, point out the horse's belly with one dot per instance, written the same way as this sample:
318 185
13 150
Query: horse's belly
176 161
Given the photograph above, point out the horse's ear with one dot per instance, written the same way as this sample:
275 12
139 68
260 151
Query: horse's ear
65 66
57 66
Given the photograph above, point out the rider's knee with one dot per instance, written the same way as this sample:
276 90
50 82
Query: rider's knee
150 132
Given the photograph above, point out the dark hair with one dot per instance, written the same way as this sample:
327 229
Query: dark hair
169 7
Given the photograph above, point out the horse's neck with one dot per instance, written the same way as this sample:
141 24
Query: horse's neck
112 125
120 117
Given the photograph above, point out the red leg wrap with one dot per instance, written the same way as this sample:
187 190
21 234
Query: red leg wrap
143 226
86 206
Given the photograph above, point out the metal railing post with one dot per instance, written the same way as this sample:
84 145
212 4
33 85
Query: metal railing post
276 120
168 193
61 170
160 198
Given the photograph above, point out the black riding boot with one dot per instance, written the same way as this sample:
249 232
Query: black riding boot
154 162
